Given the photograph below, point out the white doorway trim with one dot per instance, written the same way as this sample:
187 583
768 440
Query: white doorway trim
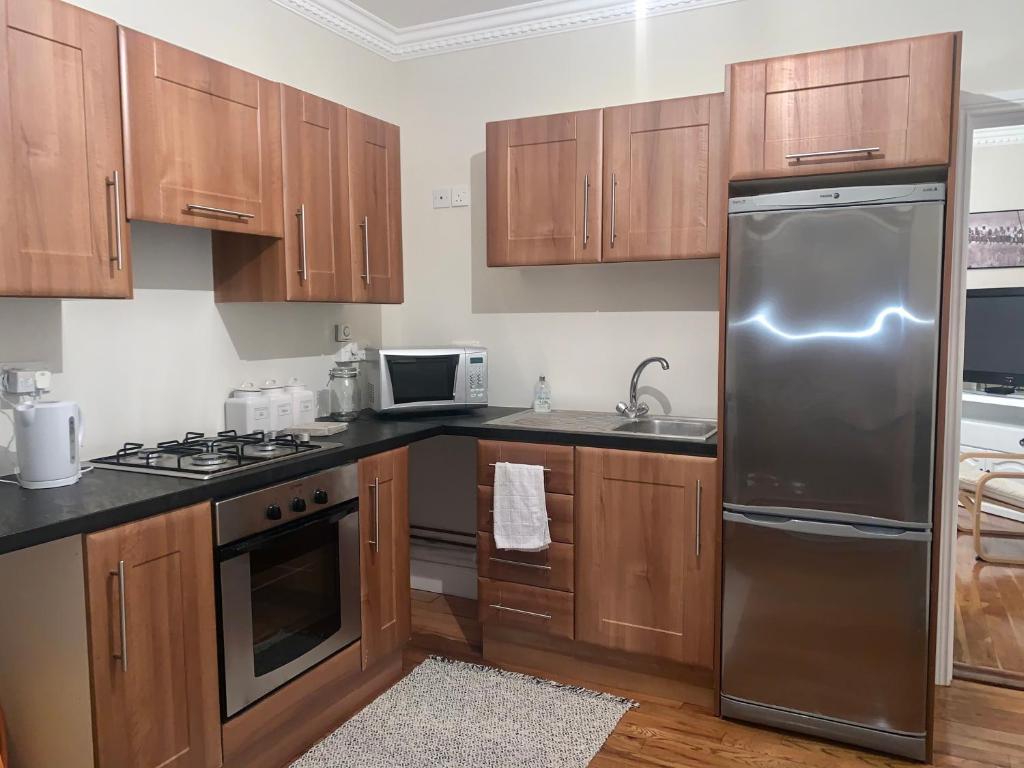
993 111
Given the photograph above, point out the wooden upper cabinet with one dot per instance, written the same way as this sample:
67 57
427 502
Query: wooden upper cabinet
544 190
203 140
646 553
663 179
384 553
153 642
885 105
62 226
374 272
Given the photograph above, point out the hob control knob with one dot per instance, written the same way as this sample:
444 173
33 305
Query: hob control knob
273 512
320 496
298 505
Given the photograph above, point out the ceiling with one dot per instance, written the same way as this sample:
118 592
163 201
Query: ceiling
408 13
406 29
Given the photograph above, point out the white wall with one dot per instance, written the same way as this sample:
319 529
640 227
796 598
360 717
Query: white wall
585 327
997 184
149 368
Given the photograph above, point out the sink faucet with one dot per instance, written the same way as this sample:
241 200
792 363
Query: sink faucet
633 409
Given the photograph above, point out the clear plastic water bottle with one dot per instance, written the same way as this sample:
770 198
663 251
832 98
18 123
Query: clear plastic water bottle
542 396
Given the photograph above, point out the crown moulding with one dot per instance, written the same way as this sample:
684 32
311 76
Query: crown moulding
994 137
547 17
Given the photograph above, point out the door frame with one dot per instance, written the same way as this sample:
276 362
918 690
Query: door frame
976 111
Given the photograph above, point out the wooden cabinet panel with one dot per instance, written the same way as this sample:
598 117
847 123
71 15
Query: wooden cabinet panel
560 517
662 175
374 272
544 190
522 607
558 459
155 686
62 226
894 96
199 133
384 553
552 568
644 585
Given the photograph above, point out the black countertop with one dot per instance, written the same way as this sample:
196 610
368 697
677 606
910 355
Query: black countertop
105 498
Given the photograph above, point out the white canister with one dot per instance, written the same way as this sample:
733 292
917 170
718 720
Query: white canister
280 405
303 402
247 410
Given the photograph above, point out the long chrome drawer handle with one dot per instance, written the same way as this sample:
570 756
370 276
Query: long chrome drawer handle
192 207
499 607
123 655
544 468
303 263
115 182
516 562
835 152
365 226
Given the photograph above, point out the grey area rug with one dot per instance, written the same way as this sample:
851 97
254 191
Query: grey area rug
452 714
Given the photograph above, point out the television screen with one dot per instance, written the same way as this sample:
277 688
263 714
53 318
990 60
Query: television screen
994 337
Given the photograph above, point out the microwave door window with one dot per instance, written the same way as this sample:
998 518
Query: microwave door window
295 596
422 379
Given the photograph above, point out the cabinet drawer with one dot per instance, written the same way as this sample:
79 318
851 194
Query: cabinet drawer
557 459
552 568
560 519
522 607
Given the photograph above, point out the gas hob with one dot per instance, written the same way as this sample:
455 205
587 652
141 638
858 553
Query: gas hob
200 457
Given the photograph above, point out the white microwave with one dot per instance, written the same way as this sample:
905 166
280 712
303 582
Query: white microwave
426 378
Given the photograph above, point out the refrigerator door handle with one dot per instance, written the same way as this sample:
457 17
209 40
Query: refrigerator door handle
826 529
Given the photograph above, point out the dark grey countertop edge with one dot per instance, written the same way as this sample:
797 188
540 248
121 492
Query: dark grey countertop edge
182 493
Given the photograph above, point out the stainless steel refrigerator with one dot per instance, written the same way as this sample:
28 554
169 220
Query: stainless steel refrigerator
831 374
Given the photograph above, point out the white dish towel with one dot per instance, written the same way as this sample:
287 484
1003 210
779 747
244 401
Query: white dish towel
520 513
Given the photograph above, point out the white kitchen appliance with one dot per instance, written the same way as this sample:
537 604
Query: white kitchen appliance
247 410
426 378
48 436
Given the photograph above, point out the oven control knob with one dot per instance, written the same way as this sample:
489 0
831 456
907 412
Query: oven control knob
320 496
273 512
298 505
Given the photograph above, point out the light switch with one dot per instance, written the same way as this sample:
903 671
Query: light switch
443 197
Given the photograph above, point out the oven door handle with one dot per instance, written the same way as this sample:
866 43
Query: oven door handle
267 538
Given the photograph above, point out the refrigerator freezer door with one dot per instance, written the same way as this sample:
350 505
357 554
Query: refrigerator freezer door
831 360
825 629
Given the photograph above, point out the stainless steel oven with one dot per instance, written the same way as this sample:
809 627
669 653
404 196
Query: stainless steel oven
288 577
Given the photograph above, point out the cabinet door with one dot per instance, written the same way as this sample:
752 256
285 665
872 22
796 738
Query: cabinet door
544 190
384 555
663 179
885 105
375 268
203 140
62 225
646 554
153 642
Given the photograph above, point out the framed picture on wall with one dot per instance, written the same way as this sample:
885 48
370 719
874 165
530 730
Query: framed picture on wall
995 239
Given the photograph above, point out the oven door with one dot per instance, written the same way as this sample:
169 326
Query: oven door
289 598
422 381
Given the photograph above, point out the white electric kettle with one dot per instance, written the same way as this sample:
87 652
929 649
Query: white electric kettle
48 435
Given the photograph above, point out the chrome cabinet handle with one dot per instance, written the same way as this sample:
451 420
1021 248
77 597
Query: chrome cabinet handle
699 494
615 184
522 565
500 607
192 208
586 209
118 256
365 226
834 152
123 655
303 266
375 541
492 464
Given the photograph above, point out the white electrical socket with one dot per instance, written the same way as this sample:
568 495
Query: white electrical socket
443 197
460 195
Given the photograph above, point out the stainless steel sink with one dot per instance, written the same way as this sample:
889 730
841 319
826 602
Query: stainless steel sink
686 429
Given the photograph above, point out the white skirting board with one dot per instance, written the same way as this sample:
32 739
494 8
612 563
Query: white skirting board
447 569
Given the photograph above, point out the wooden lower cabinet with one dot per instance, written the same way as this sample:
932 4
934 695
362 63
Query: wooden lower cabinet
518 606
384 553
646 541
153 642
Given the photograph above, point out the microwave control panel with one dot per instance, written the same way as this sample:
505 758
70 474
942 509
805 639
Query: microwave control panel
476 377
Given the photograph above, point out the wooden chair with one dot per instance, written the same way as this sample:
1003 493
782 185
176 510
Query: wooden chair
1005 489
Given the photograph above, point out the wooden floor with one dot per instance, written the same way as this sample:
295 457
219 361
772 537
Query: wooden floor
977 726
989 628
